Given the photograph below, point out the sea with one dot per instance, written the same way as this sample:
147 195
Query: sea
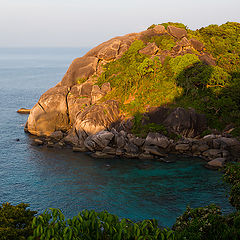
53 178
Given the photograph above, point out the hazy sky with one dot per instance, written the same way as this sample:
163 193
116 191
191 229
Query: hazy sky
78 23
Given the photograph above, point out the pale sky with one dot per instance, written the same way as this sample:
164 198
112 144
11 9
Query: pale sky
86 23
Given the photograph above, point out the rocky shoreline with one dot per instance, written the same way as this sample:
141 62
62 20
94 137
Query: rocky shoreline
216 150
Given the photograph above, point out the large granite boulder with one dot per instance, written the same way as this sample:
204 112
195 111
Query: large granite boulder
112 48
150 49
196 44
80 68
157 139
50 114
187 123
96 94
99 140
78 99
159 29
184 42
177 32
110 51
96 118
208 59
216 163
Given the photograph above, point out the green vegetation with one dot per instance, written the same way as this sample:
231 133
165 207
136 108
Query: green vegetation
232 176
15 221
164 42
179 25
88 225
140 81
207 223
141 130
80 80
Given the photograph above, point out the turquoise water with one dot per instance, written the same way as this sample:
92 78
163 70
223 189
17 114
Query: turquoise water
45 178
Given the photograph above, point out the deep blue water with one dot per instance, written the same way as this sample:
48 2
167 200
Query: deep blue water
70 181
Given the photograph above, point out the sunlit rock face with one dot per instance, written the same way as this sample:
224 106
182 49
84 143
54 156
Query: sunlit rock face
61 106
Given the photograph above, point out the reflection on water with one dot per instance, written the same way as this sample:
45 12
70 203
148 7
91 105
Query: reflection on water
137 189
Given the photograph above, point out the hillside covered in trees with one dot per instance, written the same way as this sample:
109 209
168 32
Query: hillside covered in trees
200 71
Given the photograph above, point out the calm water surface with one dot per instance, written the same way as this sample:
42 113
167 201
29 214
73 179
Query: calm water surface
73 181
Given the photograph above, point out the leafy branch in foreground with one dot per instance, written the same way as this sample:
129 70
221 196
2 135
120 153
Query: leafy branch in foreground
93 225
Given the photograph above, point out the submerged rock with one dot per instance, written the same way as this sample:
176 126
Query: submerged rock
99 154
216 163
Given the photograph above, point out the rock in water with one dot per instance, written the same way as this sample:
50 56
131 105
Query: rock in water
216 163
24 111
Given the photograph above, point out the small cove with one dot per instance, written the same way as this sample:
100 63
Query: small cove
45 178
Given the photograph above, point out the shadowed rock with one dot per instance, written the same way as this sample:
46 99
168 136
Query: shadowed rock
188 123
208 59
216 163
196 44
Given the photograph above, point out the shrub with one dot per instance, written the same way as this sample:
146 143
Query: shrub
207 223
179 25
15 221
180 63
80 80
141 130
164 42
195 76
232 176
93 225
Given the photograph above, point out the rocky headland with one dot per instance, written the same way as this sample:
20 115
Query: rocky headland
82 114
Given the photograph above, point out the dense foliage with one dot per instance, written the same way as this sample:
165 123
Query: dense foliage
232 176
140 81
15 221
88 225
207 223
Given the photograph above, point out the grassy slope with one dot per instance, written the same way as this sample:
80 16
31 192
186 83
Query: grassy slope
140 82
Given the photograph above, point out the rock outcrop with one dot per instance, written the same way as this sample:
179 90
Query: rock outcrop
74 112
50 114
61 107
